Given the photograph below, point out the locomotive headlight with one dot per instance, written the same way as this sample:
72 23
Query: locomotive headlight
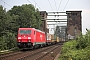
19 37
19 41
29 37
28 40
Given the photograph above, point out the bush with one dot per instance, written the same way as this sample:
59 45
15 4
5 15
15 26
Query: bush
69 46
11 40
70 52
83 41
3 43
78 49
7 41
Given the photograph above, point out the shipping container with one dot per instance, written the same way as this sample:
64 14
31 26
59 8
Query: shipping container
53 39
58 39
48 37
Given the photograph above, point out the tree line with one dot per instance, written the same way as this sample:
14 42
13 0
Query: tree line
18 16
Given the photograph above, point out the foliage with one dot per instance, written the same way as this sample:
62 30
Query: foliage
9 42
78 49
26 16
83 41
19 16
69 45
3 21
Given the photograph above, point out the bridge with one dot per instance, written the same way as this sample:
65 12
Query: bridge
66 25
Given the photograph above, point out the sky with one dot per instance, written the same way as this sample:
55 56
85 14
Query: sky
56 5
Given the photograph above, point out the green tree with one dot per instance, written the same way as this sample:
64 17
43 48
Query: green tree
38 22
19 16
6 41
3 44
26 16
5 20
11 40
2 21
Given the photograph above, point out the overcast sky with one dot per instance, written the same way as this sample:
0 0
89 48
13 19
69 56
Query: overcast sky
53 5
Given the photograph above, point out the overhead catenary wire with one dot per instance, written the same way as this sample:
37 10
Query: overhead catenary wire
59 4
29 1
55 4
50 4
65 5
5 3
37 4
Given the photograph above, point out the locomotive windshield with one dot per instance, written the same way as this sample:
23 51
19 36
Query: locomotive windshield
25 31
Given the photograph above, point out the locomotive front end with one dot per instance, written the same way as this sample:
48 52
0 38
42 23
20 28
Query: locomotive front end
24 38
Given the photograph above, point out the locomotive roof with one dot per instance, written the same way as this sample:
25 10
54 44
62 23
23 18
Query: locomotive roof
39 30
33 28
26 28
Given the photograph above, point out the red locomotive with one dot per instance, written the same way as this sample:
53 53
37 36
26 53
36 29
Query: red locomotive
30 37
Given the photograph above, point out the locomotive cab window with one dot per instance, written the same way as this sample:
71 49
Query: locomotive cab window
25 31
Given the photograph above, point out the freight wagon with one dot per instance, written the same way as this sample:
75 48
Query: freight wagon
55 39
49 41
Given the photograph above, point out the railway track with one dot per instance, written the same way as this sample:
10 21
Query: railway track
34 55
46 53
5 56
21 54
42 54
37 54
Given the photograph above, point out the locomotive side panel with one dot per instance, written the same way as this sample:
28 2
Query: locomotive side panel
40 38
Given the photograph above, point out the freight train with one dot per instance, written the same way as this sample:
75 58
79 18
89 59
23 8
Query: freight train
32 38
